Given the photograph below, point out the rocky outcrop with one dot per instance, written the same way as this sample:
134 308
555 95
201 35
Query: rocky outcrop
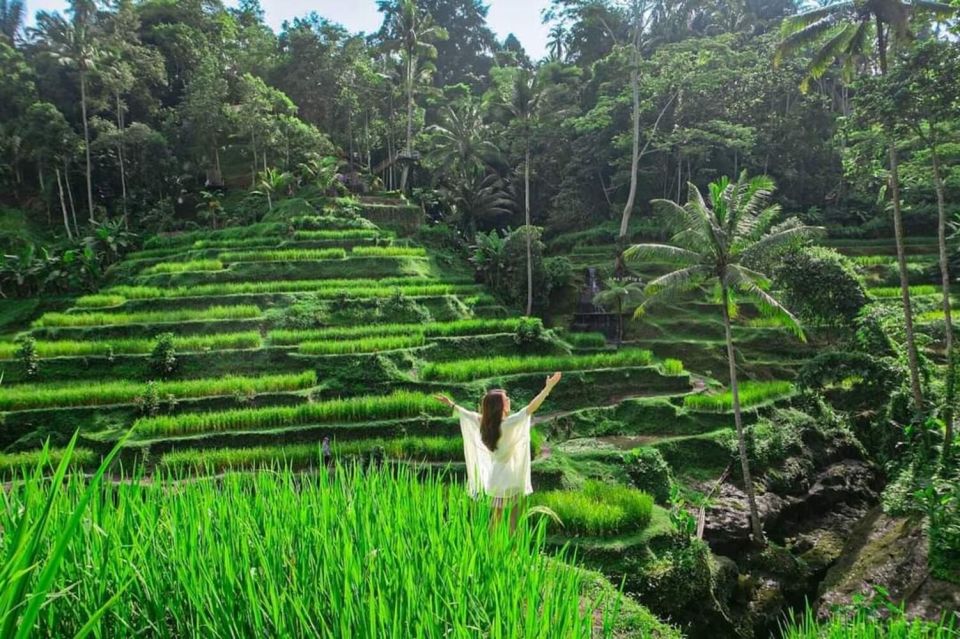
889 553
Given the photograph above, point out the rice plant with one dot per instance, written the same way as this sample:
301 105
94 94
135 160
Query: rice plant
341 234
751 394
388 251
586 340
598 509
97 393
866 624
458 328
323 289
100 301
399 405
13 465
672 367
364 345
234 233
281 555
243 311
301 456
890 292
469 369
284 255
111 347
183 267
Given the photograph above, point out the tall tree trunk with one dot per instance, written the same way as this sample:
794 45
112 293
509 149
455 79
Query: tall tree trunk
913 359
635 159
526 210
123 170
406 164
86 142
73 206
63 206
951 381
738 421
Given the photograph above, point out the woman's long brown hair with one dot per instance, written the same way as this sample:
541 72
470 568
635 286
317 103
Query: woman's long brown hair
491 417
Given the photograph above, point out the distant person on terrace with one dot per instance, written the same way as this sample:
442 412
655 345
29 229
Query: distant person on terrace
496 447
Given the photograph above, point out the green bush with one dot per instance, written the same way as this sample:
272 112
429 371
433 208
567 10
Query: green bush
529 332
820 285
163 358
597 509
649 472
27 355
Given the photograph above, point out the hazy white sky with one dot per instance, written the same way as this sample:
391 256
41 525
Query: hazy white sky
520 17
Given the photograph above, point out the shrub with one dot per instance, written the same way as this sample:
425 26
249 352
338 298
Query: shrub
388 251
27 355
163 358
597 509
400 307
529 332
751 394
649 472
820 285
399 405
366 345
284 255
469 369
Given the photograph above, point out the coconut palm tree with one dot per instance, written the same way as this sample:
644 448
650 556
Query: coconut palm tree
459 142
11 19
843 31
619 295
72 44
411 32
719 240
523 104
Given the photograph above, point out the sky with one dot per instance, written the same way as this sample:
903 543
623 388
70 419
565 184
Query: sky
520 17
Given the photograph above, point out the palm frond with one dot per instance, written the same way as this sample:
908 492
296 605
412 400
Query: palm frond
676 282
805 36
939 10
752 284
661 253
796 23
781 238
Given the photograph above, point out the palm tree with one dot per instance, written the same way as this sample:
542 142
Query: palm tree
842 31
558 38
71 43
459 144
411 31
718 240
481 194
523 102
620 295
11 19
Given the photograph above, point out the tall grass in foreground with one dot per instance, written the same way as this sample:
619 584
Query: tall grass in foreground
398 405
94 393
284 255
377 554
363 345
751 394
110 347
57 320
457 328
468 369
598 509
864 625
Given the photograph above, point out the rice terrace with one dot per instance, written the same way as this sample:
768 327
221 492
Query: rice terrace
479 318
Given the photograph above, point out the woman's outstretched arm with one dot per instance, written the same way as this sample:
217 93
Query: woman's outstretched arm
552 381
443 399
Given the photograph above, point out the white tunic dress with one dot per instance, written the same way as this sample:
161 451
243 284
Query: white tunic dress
504 472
